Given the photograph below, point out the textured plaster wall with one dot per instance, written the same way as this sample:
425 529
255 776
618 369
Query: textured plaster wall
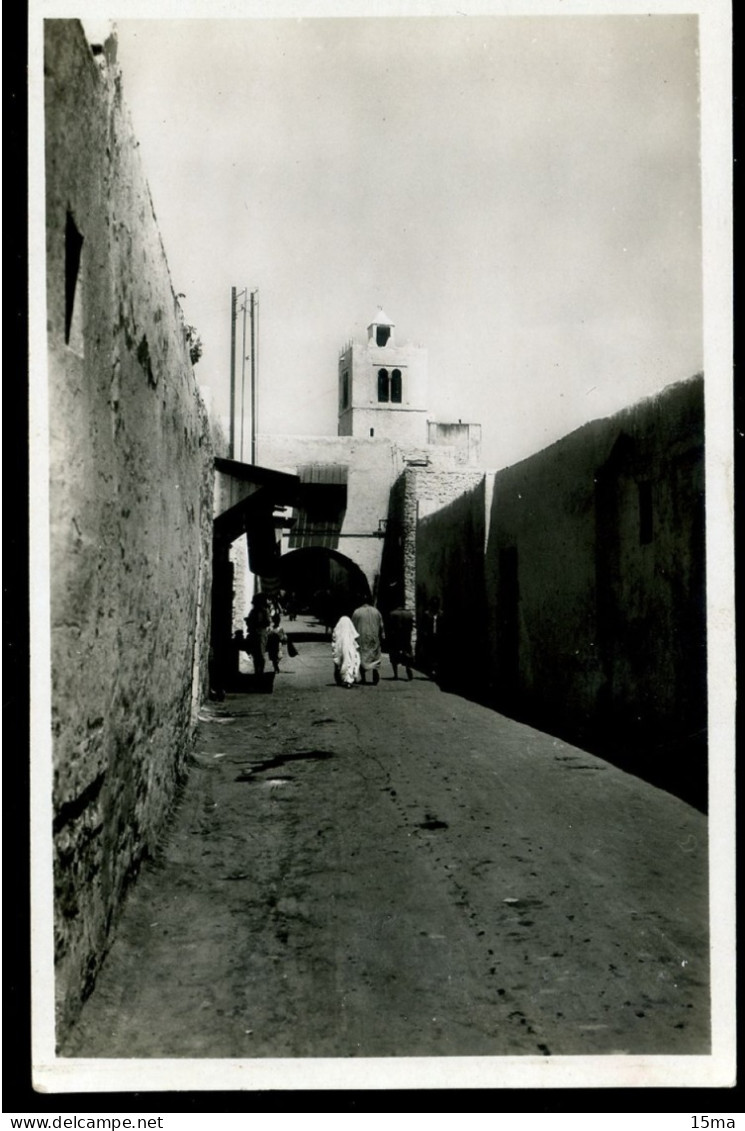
436 487
449 565
405 426
594 613
418 492
243 583
465 438
611 625
131 510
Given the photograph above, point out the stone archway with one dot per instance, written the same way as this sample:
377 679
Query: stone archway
322 581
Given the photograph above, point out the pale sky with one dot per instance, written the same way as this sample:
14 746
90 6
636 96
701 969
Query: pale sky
520 194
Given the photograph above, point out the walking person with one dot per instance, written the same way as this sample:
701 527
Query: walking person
275 641
346 653
369 624
400 628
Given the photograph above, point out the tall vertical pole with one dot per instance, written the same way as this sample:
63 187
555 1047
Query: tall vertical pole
254 391
231 448
243 370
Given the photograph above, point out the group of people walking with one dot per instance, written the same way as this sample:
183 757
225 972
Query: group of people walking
357 641
357 644
265 637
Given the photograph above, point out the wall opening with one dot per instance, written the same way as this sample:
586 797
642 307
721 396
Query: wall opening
73 249
345 389
396 386
322 582
383 386
382 334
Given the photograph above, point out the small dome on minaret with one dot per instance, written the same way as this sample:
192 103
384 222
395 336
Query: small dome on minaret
380 329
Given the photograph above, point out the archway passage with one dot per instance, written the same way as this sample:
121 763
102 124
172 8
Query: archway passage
247 497
322 582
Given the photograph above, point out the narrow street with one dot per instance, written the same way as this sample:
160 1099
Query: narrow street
397 871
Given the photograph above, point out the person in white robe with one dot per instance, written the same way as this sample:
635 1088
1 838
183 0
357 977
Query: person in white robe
346 653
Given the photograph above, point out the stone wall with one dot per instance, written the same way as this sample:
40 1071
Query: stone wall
593 626
417 492
436 487
131 509
450 567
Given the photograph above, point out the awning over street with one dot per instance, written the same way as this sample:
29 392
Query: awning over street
321 505
246 495
325 473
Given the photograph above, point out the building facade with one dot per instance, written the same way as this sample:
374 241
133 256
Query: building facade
345 532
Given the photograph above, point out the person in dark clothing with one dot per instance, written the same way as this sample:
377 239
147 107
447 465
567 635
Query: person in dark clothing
400 628
257 623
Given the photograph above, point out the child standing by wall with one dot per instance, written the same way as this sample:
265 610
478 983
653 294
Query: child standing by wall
276 639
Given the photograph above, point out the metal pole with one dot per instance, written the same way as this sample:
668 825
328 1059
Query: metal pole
231 445
243 371
254 396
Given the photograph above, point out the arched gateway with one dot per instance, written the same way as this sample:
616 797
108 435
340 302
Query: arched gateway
323 581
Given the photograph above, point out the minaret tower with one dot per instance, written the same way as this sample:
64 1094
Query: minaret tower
383 387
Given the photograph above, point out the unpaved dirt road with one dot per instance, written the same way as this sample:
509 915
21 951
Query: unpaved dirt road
396 871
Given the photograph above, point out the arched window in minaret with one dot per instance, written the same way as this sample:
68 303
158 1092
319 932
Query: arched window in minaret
382 334
396 386
383 385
